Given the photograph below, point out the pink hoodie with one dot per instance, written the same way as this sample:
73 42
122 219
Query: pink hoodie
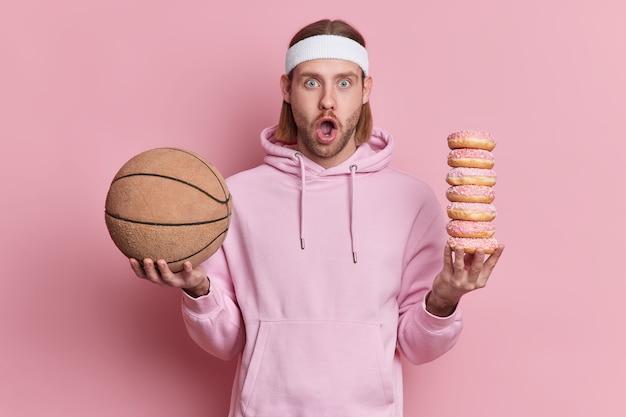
320 285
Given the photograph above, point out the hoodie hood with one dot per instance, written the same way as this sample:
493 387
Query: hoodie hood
369 157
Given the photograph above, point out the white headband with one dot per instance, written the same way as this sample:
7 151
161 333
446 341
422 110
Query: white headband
326 47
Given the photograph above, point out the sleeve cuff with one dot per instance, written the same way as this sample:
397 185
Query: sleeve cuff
206 305
436 324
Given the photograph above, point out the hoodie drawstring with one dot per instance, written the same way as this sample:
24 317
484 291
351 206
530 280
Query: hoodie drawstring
300 159
353 169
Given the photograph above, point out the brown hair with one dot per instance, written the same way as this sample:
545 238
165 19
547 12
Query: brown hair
287 129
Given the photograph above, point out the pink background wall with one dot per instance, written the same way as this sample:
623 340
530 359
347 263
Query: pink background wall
85 85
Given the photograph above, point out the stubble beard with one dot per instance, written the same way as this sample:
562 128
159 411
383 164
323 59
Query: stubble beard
308 136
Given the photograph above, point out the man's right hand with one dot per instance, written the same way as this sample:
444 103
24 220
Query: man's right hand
194 281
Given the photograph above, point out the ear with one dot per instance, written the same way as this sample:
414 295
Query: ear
285 87
367 89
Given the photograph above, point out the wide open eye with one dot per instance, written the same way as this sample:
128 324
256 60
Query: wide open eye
311 83
345 83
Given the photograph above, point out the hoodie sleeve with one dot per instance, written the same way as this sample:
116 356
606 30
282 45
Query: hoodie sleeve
214 321
423 337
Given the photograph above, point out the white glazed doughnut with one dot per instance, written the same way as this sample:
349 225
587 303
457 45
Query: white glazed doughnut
472 158
480 212
471 139
471 229
471 193
476 176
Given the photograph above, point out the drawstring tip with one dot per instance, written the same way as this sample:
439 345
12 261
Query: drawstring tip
354 256
302 243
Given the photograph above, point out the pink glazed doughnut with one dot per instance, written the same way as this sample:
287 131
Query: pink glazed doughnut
472 158
471 193
471 245
476 176
478 212
471 139
465 228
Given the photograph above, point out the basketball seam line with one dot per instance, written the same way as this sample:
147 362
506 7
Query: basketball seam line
194 254
208 165
164 224
178 180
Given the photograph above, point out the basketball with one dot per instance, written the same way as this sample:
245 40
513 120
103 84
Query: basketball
168 203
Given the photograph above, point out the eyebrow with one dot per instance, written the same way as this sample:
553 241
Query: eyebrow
348 74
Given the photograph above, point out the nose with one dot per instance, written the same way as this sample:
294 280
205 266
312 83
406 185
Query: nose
327 101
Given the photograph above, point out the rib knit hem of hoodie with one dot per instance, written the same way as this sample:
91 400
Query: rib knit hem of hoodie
319 287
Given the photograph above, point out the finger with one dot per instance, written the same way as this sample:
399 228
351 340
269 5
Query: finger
137 268
187 268
476 267
459 258
491 262
151 271
447 258
165 273
468 260
495 256
190 276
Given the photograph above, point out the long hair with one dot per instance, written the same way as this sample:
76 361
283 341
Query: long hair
287 130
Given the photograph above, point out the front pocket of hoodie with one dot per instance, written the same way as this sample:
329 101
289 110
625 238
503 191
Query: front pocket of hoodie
318 369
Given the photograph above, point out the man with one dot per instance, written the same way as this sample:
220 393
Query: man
333 264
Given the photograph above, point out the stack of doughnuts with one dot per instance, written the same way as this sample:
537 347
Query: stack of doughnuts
471 193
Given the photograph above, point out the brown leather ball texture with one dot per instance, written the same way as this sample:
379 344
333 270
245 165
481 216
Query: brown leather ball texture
168 203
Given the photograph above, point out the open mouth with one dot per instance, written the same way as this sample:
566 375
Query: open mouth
326 129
